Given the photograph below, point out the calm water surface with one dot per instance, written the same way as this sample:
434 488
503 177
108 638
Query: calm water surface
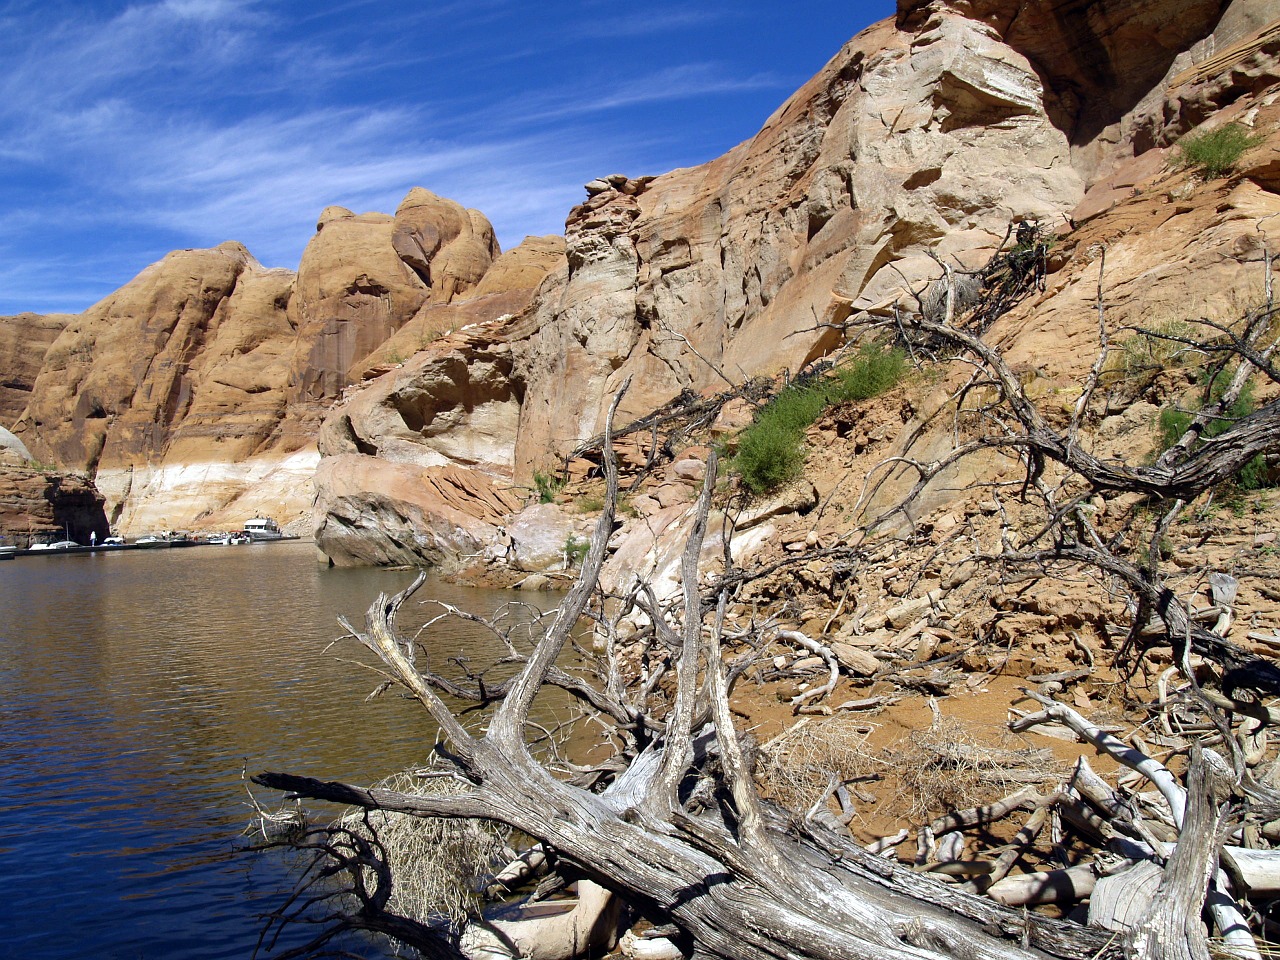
134 687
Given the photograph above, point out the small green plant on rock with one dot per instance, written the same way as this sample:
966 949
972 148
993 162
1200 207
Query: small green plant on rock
547 486
589 503
771 451
575 551
1215 152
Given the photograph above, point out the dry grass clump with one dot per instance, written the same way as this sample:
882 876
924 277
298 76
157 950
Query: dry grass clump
954 765
797 768
435 863
1138 359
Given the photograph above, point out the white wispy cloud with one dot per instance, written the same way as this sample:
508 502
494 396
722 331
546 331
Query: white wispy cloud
190 122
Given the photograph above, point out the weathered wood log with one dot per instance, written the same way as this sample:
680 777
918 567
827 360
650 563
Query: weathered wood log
1021 842
1049 886
735 878
1120 901
985 814
1171 928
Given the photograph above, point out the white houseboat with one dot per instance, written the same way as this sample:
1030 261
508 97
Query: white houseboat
262 528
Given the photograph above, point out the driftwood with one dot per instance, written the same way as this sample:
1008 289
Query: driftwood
672 825
734 878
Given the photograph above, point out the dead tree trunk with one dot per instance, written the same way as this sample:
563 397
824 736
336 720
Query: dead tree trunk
739 880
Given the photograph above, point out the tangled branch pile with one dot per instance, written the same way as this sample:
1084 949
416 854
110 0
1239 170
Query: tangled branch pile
672 827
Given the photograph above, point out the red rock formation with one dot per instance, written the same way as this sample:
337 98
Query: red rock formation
24 340
40 505
194 393
440 399
182 366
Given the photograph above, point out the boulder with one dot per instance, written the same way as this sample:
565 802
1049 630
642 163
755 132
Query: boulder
908 611
372 512
539 533
855 660
798 497
12 445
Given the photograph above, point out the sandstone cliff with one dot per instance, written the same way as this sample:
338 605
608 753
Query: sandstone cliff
193 394
24 339
924 135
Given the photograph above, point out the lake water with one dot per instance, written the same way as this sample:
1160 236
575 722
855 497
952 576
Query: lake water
134 688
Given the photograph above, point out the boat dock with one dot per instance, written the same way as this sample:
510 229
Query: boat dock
6 553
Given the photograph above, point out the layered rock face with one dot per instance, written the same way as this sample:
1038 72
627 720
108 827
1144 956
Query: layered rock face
193 394
419 462
166 391
929 134
908 140
38 505
24 340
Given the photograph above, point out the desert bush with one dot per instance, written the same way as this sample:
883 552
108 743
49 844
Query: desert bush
797 768
1215 152
1140 357
872 372
953 765
589 503
1173 421
575 550
771 451
436 863
547 486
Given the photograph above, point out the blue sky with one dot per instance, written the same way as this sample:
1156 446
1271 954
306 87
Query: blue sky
131 129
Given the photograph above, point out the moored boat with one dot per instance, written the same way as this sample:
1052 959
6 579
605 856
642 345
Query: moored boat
262 528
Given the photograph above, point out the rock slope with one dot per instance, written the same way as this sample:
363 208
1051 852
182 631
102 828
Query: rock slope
926 135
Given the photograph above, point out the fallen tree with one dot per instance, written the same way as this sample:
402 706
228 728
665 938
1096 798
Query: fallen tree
737 879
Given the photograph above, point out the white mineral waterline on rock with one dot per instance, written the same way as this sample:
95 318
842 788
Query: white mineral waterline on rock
212 495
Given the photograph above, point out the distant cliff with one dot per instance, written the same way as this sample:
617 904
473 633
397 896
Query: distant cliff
192 395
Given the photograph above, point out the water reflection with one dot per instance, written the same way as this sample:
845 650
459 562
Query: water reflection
136 686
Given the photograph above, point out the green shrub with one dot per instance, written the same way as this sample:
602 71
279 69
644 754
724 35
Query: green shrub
872 372
771 451
547 486
589 503
1216 152
769 454
1173 423
575 550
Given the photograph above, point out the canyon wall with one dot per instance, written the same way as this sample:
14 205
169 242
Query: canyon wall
927 135
193 395
423 379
